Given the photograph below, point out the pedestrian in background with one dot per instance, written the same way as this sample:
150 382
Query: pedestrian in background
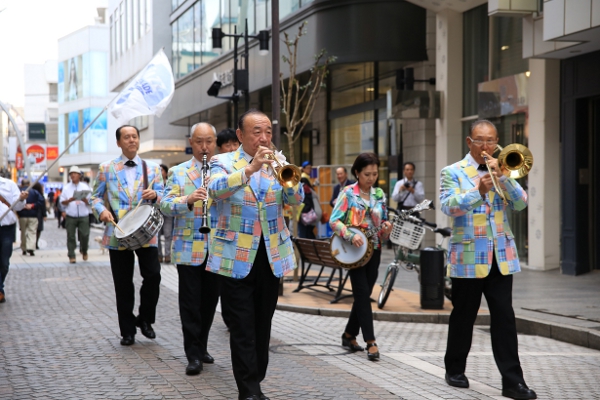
28 218
308 216
167 228
9 193
342 176
77 213
227 141
408 192
42 215
51 199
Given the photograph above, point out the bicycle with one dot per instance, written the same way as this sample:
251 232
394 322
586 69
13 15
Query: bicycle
407 233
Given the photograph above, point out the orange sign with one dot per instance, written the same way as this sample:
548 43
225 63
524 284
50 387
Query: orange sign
19 163
36 151
52 153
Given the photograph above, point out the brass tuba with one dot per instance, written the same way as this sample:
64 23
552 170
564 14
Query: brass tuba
515 161
288 175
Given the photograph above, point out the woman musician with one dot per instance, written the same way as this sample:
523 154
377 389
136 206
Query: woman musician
362 205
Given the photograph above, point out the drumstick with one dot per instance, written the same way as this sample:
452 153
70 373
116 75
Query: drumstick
138 204
117 226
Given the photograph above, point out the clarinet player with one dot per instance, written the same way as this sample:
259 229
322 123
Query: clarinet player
185 198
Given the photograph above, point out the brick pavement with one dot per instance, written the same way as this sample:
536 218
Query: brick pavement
59 339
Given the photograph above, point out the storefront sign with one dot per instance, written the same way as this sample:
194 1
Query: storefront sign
37 131
36 154
504 96
51 153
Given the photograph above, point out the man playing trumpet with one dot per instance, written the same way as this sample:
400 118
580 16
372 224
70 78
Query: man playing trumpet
482 260
251 246
184 197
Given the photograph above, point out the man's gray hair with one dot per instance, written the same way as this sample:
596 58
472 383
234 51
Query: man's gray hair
479 122
193 128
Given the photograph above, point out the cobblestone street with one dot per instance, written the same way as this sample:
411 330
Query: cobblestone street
60 340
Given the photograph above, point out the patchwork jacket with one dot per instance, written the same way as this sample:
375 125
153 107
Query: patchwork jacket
189 247
245 213
480 226
112 181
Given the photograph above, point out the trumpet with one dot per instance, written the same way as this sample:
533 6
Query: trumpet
204 228
515 161
288 175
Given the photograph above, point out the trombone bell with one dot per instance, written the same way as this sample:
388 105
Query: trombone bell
515 160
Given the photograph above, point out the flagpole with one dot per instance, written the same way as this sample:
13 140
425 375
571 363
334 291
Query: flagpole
80 135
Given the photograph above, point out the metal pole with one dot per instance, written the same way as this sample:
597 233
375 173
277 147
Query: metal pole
275 92
246 51
235 69
19 136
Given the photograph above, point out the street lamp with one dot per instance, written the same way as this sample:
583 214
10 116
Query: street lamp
240 75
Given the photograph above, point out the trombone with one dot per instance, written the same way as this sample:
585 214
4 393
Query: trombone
515 161
288 175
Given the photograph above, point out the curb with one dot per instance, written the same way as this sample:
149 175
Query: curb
529 326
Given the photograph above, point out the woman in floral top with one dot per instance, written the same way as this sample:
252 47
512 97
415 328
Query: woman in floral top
362 205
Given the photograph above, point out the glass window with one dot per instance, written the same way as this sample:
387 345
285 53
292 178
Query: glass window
112 39
261 15
186 43
142 26
210 19
122 33
197 35
475 55
507 47
351 84
351 136
175 48
148 15
174 4
135 26
129 14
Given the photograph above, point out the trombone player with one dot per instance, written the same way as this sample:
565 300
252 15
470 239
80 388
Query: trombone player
184 198
251 246
482 258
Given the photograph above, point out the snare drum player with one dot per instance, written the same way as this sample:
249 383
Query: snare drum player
362 205
183 199
122 180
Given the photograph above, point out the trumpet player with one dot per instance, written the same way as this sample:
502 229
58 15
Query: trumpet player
185 198
483 258
251 246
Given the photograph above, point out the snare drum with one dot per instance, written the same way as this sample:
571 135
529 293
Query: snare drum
139 227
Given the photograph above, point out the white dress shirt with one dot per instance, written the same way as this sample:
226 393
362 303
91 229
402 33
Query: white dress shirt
76 208
131 172
11 192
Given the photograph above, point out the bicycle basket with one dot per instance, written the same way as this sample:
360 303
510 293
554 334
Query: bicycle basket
407 234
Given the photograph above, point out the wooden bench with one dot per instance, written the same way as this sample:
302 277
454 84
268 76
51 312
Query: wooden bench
317 252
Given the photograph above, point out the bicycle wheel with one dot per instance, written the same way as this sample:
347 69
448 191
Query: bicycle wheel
386 287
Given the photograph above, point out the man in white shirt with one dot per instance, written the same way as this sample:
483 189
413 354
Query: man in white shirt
408 192
77 213
9 193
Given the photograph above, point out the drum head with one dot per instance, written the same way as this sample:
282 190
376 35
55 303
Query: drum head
345 252
133 220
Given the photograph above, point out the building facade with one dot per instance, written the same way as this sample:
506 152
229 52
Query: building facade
138 30
83 93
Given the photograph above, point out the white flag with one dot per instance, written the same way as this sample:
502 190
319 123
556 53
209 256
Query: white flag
149 93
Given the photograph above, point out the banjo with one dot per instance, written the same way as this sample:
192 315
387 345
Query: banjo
349 256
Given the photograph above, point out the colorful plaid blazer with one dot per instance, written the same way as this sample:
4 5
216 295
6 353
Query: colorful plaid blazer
112 180
350 210
246 212
189 247
479 227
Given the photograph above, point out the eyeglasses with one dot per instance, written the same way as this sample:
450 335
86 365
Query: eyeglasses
478 142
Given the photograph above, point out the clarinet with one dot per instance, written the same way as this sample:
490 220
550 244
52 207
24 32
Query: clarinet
204 228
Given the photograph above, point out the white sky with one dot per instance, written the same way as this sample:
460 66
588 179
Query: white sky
29 33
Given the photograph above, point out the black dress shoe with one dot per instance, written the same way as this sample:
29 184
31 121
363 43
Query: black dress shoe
31 253
128 340
253 397
373 356
208 359
194 367
347 342
458 380
519 392
146 329
263 397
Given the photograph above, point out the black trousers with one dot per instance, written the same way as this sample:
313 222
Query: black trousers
122 263
466 299
198 298
363 279
249 304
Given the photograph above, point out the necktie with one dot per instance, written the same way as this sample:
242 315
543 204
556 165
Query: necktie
482 167
130 163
